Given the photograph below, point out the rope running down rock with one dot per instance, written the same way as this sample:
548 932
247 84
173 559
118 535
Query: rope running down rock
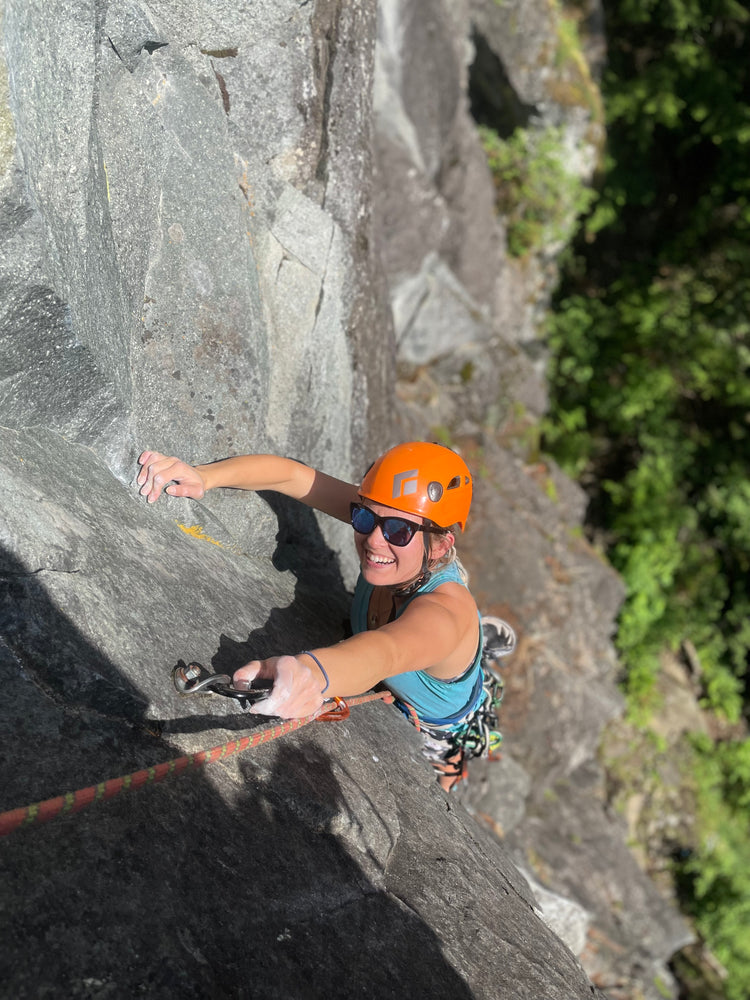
71 802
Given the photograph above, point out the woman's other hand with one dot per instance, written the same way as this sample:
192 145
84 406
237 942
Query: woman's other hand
296 690
160 472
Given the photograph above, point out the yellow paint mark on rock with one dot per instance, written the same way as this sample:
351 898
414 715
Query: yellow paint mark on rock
196 531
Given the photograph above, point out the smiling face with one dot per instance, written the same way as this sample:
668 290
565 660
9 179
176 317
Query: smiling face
386 565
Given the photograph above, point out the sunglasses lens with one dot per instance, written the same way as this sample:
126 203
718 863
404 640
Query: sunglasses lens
398 532
395 530
363 520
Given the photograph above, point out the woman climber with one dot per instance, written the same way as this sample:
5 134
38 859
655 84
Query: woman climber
416 626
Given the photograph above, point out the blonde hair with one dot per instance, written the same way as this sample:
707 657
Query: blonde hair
451 556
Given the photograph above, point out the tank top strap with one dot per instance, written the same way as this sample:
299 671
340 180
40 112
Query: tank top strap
363 592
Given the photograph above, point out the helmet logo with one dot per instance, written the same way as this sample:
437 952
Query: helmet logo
405 483
434 491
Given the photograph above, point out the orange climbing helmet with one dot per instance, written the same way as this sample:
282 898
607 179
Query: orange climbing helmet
429 480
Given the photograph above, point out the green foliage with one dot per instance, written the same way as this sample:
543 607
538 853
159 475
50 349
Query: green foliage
650 386
663 988
442 435
467 372
714 880
572 84
537 196
652 394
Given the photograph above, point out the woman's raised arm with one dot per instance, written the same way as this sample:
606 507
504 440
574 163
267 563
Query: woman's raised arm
437 633
161 473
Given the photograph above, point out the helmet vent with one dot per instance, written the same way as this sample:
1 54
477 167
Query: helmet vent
454 483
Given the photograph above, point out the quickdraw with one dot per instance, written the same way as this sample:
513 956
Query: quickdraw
196 679
481 737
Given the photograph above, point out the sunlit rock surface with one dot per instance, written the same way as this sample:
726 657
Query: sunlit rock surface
229 228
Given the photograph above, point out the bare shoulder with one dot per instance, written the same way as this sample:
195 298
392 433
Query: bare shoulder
451 597
438 631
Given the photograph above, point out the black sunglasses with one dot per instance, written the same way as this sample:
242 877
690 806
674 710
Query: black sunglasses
396 530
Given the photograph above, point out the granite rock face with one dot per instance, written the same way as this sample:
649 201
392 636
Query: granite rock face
468 315
229 228
183 268
258 875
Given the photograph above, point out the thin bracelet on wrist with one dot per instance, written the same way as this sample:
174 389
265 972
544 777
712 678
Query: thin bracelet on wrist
306 652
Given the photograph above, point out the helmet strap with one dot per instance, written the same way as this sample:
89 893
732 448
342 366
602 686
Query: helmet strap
424 574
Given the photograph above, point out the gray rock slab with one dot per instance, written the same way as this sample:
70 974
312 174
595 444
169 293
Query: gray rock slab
186 230
637 929
332 849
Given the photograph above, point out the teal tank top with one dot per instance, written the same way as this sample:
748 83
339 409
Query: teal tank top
435 701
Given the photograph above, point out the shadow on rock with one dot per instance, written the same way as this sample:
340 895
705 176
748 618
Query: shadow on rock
229 883
319 613
225 884
69 715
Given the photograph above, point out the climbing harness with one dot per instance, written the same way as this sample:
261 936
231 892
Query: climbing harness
475 736
71 802
449 746
479 736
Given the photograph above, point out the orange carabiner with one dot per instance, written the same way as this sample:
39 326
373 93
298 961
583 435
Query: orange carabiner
338 713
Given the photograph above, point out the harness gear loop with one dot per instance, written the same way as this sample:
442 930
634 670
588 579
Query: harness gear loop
477 735
449 745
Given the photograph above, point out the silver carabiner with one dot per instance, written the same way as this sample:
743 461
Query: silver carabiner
193 678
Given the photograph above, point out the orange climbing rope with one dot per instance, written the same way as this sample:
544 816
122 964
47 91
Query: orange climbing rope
72 802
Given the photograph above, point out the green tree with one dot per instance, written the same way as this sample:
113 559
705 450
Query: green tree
650 395
650 338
